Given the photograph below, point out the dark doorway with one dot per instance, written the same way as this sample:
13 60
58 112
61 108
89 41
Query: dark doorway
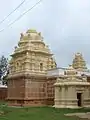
79 97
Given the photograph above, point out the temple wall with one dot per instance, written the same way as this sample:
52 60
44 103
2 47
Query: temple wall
86 97
16 91
65 97
16 88
3 94
50 91
35 92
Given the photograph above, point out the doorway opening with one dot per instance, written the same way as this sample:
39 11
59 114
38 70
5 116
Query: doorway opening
79 97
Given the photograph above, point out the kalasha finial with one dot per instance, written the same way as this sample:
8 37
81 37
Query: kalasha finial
78 54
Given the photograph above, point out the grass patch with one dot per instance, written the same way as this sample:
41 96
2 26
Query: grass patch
37 113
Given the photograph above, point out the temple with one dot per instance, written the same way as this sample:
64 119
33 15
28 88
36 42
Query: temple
27 81
72 84
72 90
35 80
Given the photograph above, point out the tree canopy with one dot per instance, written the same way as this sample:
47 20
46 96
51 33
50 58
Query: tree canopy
3 69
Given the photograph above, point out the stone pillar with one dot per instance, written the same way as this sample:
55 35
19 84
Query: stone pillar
60 97
86 96
62 101
71 97
58 91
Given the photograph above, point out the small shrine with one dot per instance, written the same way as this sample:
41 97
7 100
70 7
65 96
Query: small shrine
72 90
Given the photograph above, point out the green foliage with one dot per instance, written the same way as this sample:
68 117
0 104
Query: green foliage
4 109
3 68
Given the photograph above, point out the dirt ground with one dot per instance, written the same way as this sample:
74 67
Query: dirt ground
84 116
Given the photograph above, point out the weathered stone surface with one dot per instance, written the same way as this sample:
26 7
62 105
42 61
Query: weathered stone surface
72 90
27 81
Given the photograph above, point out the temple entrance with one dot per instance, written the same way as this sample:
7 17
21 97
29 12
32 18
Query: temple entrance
79 97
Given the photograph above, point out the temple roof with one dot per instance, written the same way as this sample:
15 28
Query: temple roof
32 41
31 31
79 62
70 70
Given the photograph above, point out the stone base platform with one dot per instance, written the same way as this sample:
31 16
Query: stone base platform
30 102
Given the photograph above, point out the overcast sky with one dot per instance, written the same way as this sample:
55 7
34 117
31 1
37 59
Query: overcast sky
65 26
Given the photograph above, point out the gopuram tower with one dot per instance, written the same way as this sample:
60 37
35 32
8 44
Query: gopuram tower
79 62
27 81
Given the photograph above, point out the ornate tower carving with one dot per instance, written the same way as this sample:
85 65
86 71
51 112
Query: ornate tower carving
30 61
67 88
79 62
31 54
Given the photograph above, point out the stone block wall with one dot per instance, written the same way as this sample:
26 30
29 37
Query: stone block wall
3 94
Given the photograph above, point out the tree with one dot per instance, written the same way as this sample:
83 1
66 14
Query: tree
3 69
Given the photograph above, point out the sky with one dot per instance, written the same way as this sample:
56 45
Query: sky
64 24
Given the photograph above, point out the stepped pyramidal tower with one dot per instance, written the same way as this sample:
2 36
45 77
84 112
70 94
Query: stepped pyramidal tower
27 81
79 62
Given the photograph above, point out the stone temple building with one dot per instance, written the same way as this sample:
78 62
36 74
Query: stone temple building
27 80
35 80
72 88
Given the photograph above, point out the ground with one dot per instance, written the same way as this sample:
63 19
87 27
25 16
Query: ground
38 113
